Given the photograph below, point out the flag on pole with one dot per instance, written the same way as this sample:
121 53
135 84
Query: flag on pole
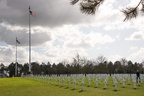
17 41
31 13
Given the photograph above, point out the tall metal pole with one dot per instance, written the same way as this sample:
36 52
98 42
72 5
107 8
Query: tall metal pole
29 43
16 59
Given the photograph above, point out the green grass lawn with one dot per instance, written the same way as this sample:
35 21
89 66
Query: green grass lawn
24 87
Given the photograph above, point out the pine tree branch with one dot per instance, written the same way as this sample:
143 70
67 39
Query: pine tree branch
131 12
90 6
74 2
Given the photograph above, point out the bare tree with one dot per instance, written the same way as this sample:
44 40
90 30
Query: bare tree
123 61
64 62
78 62
83 61
100 59
143 62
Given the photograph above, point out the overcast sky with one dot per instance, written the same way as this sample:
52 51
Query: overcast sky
60 31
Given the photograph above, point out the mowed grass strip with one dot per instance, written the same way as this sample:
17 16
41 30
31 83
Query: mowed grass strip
23 87
16 81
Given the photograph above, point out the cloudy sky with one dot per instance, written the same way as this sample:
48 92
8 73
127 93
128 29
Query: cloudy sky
60 31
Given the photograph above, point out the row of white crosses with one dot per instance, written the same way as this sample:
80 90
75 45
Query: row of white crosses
115 83
73 79
129 78
81 80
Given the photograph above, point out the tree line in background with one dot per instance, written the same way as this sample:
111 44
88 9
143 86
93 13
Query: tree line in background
79 65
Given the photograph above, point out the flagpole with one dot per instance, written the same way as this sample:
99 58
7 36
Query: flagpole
16 59
29 43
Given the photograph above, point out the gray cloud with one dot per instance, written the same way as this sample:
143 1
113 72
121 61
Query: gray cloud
136 36
9 36
48 12
6 53
81 44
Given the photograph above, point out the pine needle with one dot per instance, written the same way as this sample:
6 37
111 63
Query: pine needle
73 2
90 6
130 13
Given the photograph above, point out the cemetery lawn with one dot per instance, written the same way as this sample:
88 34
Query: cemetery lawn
17 86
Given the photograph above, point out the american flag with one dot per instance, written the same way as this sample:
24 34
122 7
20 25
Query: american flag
17 41
31 13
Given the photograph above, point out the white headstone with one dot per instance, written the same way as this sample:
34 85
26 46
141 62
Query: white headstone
82 83
134 84
97 83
